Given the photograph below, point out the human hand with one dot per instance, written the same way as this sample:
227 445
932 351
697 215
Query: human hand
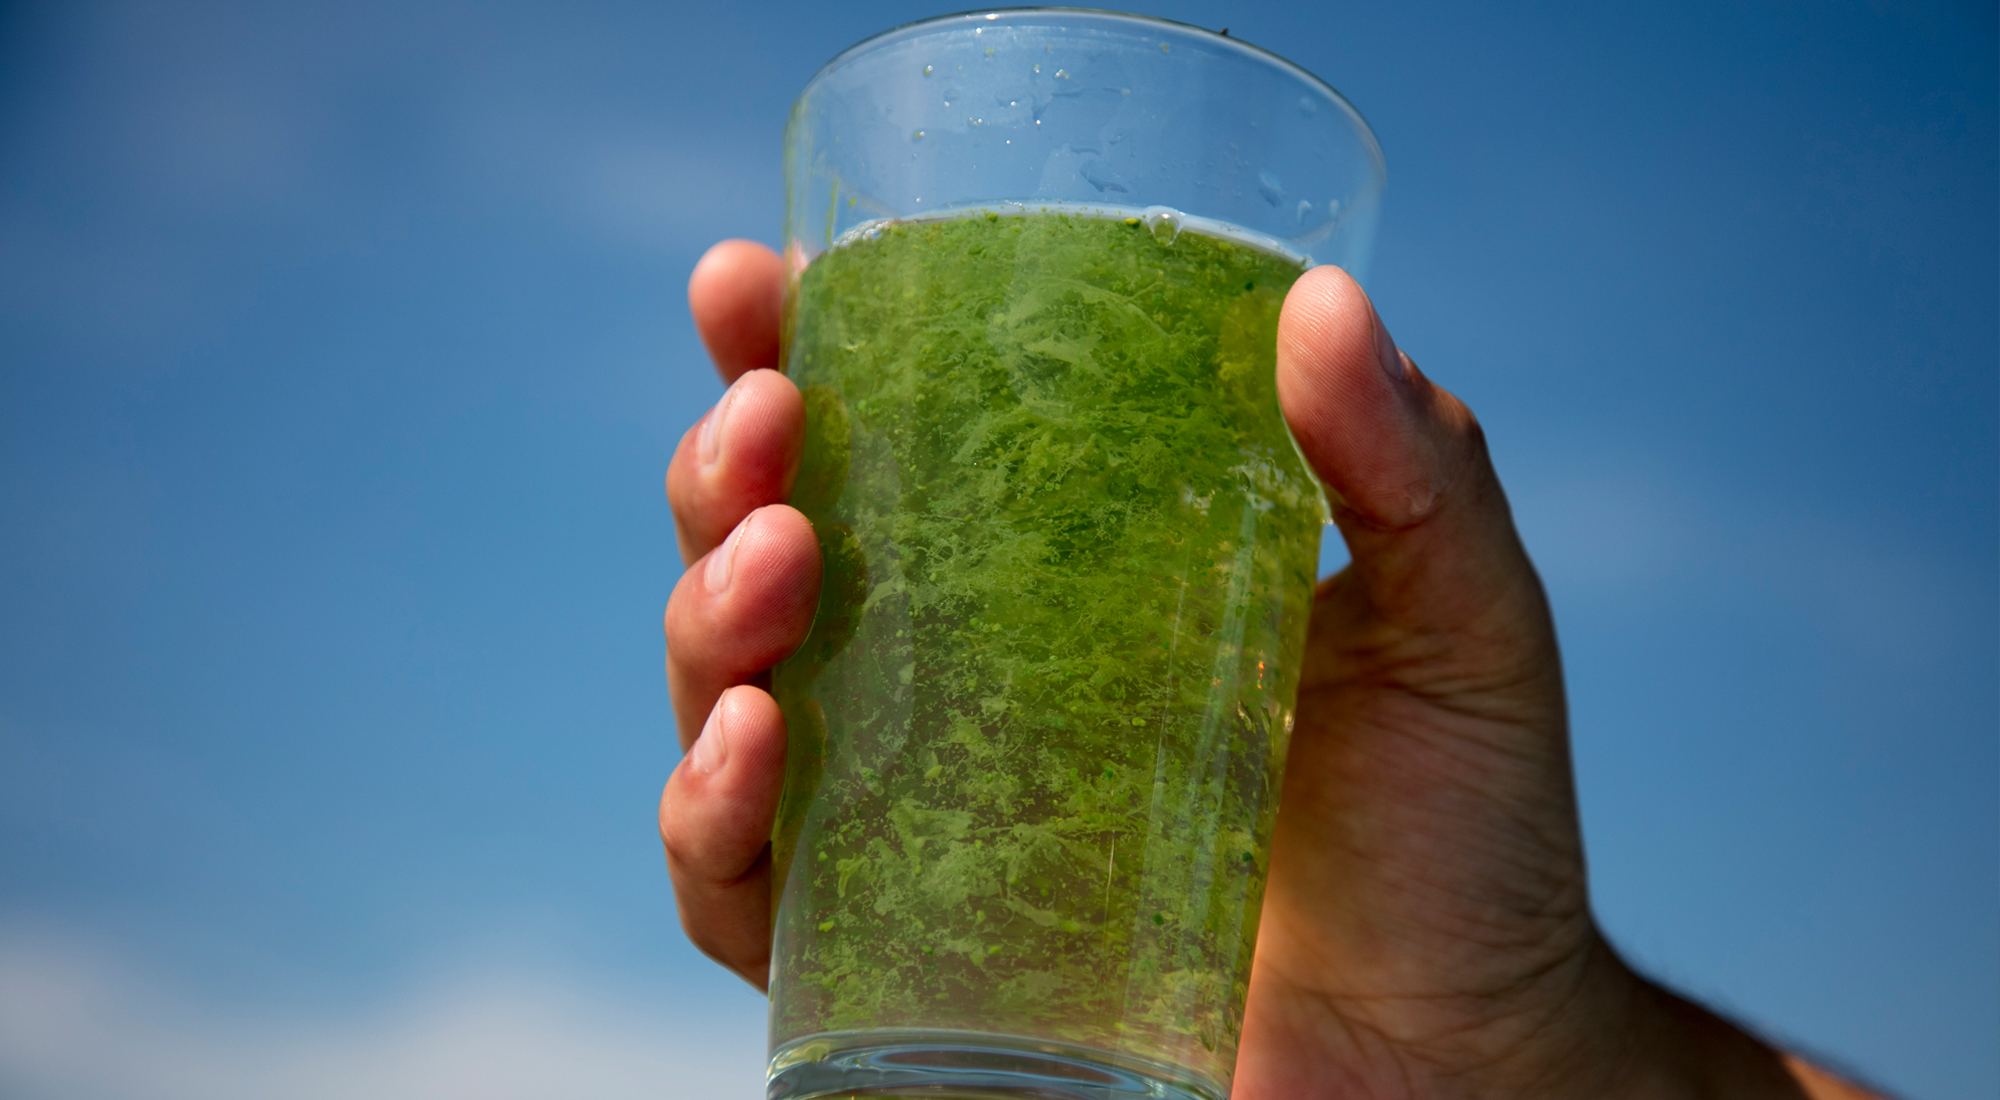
1426 929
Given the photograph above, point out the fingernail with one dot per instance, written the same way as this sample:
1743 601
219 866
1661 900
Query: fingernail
712 748
711 428
1386 353
722 560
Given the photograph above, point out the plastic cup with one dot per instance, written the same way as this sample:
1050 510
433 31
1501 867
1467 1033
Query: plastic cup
1037 732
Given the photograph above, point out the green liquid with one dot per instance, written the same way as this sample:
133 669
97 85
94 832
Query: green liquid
1037 732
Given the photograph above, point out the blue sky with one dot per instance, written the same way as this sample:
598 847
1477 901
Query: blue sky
342 348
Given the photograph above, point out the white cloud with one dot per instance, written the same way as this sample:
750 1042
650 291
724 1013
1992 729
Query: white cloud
76 1025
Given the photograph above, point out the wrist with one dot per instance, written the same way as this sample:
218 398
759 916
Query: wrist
1678 1050
1621 1036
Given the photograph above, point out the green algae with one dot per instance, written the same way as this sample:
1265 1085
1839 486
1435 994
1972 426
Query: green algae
1037 731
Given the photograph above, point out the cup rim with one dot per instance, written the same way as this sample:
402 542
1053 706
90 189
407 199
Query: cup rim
1366 133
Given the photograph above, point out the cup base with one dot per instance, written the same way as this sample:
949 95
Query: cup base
966 1065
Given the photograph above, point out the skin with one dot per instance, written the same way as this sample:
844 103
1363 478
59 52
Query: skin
1427 931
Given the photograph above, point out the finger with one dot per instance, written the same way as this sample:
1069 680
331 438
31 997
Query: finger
743 607
737 295
1435 555
739 457
715 819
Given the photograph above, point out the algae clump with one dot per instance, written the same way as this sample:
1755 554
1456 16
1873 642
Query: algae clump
1037 731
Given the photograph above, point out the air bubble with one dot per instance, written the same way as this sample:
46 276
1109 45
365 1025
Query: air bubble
1163 222
927 70
1305 210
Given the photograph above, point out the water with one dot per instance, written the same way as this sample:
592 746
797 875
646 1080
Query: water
948 1065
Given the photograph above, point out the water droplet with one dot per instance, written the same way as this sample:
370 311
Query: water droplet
1269 187
1163 222
1094 174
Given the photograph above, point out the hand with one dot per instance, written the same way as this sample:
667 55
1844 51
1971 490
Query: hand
1426 930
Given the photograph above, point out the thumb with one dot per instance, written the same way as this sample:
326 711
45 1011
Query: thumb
1387 441
1436 561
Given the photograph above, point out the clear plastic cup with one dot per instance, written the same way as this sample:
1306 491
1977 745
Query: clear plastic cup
1037 732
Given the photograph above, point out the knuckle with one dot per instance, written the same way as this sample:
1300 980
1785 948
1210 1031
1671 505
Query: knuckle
696 867
716 945
683 500
679 610
692 858
671 833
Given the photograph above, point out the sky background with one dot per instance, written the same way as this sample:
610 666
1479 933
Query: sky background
343 347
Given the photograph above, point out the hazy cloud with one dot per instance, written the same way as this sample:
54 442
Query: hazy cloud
76 1025
1606 532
